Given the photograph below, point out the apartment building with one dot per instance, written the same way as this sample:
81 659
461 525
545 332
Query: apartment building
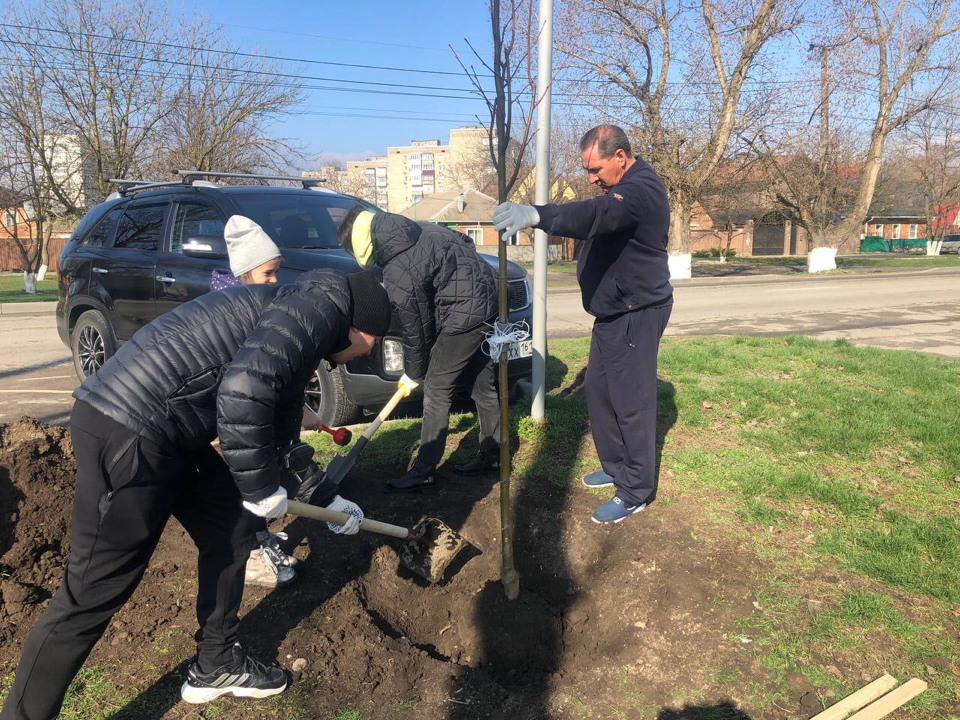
407 173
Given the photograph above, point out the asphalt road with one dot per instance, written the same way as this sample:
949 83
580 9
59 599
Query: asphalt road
919 311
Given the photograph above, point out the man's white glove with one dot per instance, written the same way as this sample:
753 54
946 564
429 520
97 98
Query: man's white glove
408 385
351 526
272 506
512 218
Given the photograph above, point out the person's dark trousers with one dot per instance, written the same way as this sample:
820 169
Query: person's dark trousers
621 391
458 361
127 488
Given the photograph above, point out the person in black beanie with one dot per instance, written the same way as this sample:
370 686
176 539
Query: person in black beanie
234 365
445 297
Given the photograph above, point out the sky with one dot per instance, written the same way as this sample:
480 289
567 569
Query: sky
415 35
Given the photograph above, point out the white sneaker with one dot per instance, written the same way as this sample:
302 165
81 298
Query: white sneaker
261 571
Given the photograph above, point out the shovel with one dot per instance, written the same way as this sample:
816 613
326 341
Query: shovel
340 465
427 549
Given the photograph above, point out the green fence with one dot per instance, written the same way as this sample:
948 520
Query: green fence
875 243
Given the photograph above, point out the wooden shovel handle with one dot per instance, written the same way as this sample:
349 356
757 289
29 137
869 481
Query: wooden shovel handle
385 413
295 507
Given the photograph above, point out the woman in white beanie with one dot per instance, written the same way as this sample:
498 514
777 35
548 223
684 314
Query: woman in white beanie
254 257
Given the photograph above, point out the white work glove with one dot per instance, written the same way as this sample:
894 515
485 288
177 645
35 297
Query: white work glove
512 218
272 506
351 526
408 385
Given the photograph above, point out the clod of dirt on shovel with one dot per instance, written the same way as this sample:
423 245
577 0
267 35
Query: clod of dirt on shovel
430 548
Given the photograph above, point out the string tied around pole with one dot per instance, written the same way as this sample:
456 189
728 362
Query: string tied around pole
502 335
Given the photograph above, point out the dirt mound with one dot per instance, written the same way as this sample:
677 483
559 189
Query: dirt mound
36 494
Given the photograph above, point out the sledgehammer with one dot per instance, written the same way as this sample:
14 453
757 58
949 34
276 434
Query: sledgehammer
340 465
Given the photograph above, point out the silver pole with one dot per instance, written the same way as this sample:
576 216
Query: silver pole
544 82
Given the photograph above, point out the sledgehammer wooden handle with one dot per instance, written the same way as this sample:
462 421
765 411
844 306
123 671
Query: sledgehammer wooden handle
295 507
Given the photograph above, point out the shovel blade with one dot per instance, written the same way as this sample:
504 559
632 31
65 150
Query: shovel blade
430 548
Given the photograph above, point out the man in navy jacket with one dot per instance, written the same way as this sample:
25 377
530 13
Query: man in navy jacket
625 283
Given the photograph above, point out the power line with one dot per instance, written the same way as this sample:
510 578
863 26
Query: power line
184 63
237 53
389 68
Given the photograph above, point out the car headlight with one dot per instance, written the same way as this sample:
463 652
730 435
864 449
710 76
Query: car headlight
393 356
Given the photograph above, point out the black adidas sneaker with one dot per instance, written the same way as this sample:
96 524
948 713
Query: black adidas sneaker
245 677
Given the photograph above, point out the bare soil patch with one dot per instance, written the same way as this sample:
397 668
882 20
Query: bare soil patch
636 619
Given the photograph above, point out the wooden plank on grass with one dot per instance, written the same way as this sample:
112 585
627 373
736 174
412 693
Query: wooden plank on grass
864 696
891 701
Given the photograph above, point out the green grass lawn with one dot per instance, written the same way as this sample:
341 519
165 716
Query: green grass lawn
567 268
899 261
825 460
11 289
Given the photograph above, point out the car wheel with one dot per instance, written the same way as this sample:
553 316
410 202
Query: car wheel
92 343
328 399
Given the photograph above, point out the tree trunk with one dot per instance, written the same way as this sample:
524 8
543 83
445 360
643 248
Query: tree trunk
823 252
933 247
678 239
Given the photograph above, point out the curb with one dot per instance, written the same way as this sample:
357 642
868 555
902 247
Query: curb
28 308
770 279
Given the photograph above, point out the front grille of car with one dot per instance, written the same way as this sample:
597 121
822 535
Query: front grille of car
517 295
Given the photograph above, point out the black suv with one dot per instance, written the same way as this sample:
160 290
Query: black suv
150 247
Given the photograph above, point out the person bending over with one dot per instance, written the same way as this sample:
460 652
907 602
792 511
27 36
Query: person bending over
233 365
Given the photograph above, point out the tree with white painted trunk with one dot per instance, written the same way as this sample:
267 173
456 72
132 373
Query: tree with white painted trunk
884 62
936 137
675 74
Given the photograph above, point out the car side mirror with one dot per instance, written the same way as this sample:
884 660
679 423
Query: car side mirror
205 247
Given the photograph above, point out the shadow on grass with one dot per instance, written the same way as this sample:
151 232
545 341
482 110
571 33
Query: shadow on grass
724 710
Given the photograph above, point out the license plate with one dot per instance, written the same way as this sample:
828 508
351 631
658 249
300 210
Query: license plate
517 350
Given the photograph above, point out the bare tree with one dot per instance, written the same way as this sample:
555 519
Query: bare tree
109 73
893 50
26 202
508 131
936 134
676 75
734 196
225 104
128 91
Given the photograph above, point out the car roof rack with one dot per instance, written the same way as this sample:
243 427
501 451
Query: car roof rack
194 178
189 176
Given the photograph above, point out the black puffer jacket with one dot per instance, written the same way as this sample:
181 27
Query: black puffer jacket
233 363
436 283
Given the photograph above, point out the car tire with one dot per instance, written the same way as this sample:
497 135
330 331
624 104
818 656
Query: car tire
327 397
92 343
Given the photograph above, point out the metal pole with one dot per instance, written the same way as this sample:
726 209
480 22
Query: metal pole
508 573
542 197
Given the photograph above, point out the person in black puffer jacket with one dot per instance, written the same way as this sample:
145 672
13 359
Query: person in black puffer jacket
445 296
232 364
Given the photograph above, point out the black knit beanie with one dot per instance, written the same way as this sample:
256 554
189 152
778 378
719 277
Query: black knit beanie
371 306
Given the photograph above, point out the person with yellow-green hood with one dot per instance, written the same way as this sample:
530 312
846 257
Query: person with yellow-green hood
445 297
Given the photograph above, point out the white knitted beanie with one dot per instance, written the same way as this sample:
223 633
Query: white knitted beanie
248 246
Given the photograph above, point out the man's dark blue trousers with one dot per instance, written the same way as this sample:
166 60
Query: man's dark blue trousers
621 390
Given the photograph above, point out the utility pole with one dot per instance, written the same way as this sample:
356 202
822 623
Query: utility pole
542 197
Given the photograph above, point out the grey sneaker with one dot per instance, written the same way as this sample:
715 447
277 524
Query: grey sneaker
598 479
262 571
270 543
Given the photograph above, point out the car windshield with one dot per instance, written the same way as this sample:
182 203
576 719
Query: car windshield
296 220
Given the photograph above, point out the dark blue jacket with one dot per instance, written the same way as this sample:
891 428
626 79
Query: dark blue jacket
623 261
